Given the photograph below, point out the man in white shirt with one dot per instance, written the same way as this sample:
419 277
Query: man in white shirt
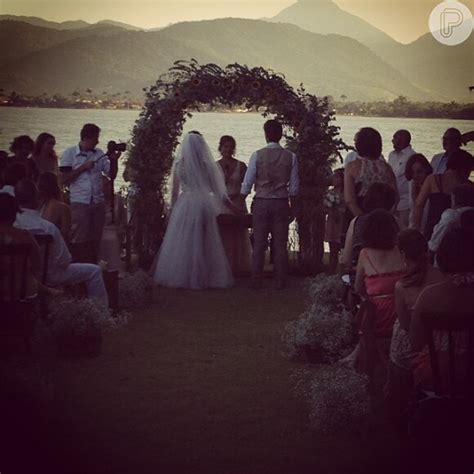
274 172
60 269
82 167
398 159
463 200
452 141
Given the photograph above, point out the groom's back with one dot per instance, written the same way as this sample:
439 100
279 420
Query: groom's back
273 172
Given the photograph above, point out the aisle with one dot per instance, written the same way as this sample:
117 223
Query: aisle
196 384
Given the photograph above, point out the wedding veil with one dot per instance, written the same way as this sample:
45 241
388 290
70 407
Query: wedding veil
196 168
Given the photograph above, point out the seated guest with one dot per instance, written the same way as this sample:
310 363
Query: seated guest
462 200
44 155
366 170
51 206
418 275
11 235
14 172
379 196
379 268
467 220
417 170
455 258
437 189
115 220
60 269
22 148
452 141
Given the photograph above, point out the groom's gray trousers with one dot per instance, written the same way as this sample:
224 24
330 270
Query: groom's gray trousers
270 216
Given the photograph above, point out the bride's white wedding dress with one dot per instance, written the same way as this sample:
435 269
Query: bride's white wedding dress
192 254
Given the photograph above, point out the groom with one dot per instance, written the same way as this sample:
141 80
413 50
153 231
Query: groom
274 172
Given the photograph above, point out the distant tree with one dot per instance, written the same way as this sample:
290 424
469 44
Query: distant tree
343 97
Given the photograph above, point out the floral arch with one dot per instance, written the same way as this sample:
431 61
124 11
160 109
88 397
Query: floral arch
186 87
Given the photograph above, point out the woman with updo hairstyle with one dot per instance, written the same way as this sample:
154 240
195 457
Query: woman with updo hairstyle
52 208
44 155
367 169
418 275
236 239
453 295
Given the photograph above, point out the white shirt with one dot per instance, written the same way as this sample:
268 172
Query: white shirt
59 256
398 161
450 219
87 188
439 163
8 189
250 176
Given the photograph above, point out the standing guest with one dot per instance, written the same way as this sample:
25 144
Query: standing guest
14 172
274 172
81 169
437 189
44 155
51 206
335 209
452 141
236 240
22 148
418 275
398 159
417 170
379 268
60 269
462 201
3 166
455 258
368 169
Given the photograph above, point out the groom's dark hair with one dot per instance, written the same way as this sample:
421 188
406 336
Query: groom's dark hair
273 130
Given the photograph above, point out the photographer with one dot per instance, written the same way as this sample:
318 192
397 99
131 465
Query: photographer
82 167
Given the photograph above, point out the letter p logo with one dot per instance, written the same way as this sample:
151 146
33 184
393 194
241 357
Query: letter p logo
451 23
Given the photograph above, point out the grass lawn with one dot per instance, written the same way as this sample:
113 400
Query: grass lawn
196 383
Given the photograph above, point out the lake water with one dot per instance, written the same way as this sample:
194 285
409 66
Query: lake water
65 125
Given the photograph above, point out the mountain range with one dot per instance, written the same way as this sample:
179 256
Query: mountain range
331 51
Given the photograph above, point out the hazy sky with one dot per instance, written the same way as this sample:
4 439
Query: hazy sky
405 20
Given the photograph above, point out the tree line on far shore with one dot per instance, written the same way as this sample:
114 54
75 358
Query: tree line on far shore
399 107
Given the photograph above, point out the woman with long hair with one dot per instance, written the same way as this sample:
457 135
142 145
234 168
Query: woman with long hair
52 208
44 155
417 170
235 238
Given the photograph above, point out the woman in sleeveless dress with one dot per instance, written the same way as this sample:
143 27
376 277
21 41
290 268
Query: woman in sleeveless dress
437 190
235 238
379 268
367 169
192 254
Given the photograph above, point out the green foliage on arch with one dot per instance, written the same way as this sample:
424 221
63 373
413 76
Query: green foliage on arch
308 127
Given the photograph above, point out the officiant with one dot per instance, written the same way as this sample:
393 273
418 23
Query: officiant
273 171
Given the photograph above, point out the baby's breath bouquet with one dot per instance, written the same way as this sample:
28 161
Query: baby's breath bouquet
339 400
323 333
135 289
77 324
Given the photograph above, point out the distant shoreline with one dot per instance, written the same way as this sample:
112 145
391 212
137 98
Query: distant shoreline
137 108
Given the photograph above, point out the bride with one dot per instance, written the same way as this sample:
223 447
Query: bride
192 254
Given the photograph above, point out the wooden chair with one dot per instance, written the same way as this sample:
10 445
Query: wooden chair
16 310
450 323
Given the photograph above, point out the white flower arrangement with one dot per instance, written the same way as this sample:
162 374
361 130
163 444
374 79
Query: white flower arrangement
339 400
135 289
324 332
